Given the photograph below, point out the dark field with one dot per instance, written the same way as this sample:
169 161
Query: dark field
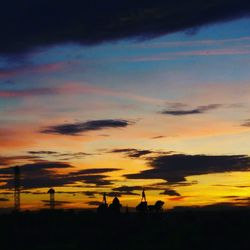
87 230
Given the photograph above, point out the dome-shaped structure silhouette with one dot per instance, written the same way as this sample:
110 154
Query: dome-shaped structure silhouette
115 206
157 207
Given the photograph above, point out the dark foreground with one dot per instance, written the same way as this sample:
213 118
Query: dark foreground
86 230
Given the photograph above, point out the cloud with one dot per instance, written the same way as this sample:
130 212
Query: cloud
215 207
200 53
7 160
28 92
158 137
90 194
58 155
37 167
4 199
56 22
137 153
45 174
175 168
198 110
81 127
93 203
170 192
246 123
29 69
42 152
192 43
127 190
132 152
243 199
95 171
114 194
57 203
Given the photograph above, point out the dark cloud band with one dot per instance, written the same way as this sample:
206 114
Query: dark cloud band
31 24
45 174
175 168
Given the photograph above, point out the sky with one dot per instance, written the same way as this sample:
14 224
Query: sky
121 97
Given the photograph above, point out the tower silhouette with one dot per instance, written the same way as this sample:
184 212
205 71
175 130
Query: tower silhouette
103 207
143 196
51 193
16 188
143 205
104 199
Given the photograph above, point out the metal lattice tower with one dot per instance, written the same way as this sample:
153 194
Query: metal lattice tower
51 193
16 188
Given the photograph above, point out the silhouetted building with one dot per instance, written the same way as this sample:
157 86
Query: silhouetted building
157 207
115 206
51 193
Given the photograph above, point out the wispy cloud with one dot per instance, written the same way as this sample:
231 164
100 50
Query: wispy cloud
59 155
8 160
28 92
56 203
211 42
170 192
158 137
132 152
82 127
246 123
31 69
198 110
4 199
200 53
78 88
137 153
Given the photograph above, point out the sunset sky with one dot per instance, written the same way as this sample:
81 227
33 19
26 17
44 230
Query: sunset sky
144 104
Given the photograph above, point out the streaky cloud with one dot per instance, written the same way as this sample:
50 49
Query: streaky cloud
170 192
82 127
8 160
137 153
132 152
246 123
198 110
4 199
